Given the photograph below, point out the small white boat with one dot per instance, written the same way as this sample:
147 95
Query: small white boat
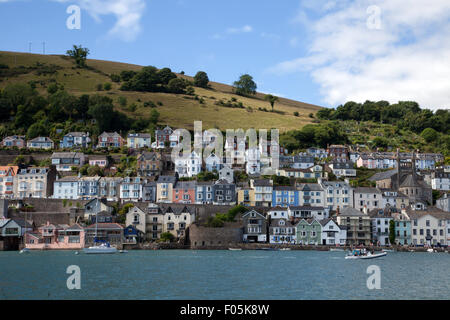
102 248
337 249
123 251
387 250
285 249
431 250
235 249
76 252
25 250
363 254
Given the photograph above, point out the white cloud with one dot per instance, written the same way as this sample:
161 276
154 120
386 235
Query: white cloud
244 29
230 31
406 59
127 12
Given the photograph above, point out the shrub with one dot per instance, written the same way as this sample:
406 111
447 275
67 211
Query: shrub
107 86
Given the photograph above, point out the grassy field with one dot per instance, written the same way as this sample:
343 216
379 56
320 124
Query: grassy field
177 110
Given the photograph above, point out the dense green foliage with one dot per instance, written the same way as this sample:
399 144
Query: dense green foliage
24 111
245 86
201 79
313 135
79 54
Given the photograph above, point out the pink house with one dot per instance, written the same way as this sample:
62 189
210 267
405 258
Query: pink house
14 141
56 237
101 161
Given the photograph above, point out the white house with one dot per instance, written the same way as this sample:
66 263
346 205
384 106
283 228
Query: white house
190 166
440 180
253 161
332 233
66 188
337 194
366 197
131 189
226 173
278 213
213 163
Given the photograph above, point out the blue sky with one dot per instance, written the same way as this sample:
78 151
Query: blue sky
318 51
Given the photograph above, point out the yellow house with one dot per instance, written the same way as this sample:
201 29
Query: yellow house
164 188
246 197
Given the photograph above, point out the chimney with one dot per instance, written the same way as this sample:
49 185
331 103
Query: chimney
338 211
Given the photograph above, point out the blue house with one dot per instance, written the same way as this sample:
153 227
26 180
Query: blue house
285 196
75 139
132 235
204 192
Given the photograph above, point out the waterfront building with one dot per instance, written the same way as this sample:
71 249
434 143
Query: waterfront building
255 227
402 228
380 226
281 231
177 220
56 237
309 232
332 233
358 225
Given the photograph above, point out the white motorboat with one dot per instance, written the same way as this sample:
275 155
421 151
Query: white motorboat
25 250
431 250
235 249
102 248
387 250
363 254
123 251
285 249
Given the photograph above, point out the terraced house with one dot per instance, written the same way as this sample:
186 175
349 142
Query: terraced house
281 231
164 188
88 187
7 176
337 194
139 140
285 196
204 192
34 182
255 227
311 194
131 189
308 232
177 219
184 192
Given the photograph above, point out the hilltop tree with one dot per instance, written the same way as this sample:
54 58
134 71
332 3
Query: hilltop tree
272 99
201 79
79 54
245 86
176 85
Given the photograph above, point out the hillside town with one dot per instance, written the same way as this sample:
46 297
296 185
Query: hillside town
129 192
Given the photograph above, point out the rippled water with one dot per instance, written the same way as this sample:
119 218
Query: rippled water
186 274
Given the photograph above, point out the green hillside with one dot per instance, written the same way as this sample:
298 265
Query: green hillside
176 110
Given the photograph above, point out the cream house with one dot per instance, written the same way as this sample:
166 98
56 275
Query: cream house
177 219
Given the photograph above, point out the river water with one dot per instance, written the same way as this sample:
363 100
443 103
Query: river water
236 275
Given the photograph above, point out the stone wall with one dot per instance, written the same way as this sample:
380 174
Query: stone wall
214 238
